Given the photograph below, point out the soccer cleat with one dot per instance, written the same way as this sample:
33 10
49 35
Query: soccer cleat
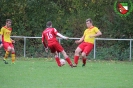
5 61
71 65
75 65
83 65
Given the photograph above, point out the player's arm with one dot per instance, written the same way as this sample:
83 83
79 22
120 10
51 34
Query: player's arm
79 41
12 40
43 41
97 34
60 35
64 37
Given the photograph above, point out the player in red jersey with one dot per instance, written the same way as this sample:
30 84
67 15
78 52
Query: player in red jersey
49 41
7 41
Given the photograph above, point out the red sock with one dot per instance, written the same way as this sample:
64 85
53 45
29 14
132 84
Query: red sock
76 58
58 61
68 61
84 60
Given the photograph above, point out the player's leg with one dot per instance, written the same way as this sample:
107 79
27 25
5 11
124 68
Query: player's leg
57 59
86 51
77 52
76 56
53 50
84 58
7 49
13 56
67 58
59 48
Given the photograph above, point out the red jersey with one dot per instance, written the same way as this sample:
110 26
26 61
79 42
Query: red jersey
49 34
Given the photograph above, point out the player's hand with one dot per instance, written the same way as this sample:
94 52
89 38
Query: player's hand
13 41
77 42
46 49
67 38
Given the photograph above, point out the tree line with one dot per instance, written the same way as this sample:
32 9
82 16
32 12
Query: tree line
68 16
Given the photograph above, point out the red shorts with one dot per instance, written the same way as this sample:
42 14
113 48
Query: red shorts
55 46
6 45
86 47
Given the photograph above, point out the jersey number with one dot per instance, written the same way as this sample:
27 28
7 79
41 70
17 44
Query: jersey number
49 35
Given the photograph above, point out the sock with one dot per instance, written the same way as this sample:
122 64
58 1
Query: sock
13 57
6 55
84 60
76 58
58 61
68 61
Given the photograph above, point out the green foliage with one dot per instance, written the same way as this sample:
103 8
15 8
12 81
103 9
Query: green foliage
68 17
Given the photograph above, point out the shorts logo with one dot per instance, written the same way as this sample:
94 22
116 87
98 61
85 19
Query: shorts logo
123 7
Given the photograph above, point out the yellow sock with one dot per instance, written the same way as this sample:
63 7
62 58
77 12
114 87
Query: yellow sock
6 55
13 57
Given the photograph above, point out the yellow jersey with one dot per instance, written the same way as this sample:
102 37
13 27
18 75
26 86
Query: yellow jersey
6 33
90 31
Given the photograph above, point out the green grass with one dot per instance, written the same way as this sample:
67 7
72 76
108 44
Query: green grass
39 73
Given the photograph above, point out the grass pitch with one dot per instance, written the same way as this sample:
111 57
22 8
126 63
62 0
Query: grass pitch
42 73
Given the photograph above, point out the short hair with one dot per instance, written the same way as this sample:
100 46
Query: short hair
8 20
89 19
49 23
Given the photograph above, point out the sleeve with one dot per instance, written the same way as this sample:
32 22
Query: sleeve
43 38
2 31
96 30
60 35
84 33
55 31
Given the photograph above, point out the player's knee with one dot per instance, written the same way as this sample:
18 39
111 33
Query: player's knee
83 54
65 55
56 55
9 48
13 51
77 51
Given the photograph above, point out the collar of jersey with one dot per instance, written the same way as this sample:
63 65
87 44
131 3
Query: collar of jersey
91 27
7 28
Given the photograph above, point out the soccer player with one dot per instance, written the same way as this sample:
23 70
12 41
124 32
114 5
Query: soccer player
87 42
49 41
7 41
0 41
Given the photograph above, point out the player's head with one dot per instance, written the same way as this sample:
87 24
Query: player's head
8 22
89 22
49 24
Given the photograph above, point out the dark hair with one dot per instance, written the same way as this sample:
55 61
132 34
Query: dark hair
8 20
89 19
49 23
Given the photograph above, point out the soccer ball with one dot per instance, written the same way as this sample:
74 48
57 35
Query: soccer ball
62 61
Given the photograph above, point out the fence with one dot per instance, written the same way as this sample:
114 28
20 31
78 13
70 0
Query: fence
94 51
